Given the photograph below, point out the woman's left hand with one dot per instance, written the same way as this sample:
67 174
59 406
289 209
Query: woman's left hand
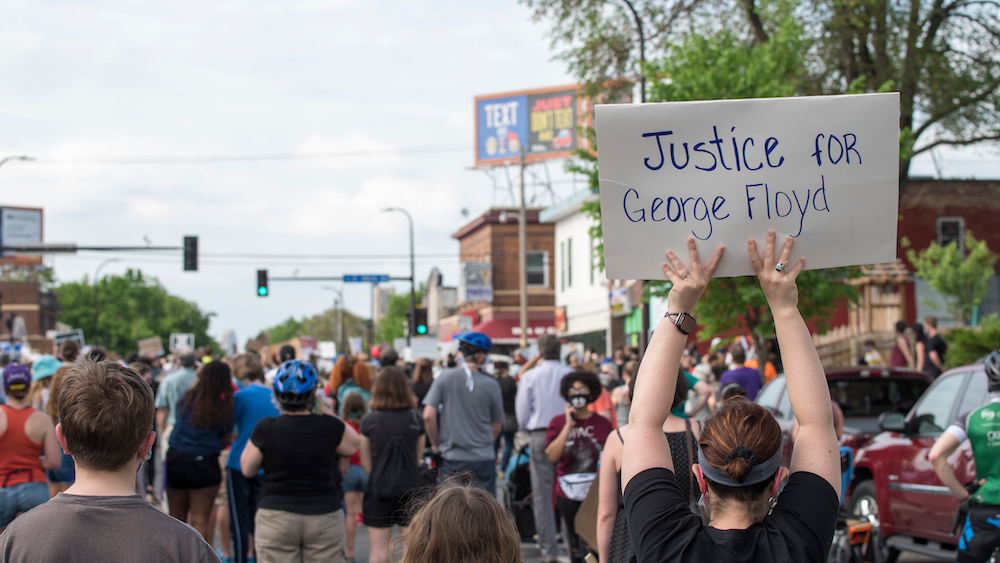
689 283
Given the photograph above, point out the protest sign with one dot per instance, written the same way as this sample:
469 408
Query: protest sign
823 169
151 347
181 341
75 334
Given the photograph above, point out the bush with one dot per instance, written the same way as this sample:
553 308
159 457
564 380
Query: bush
968 344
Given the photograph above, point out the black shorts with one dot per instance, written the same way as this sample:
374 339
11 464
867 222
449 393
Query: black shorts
378 513
979 536
191 471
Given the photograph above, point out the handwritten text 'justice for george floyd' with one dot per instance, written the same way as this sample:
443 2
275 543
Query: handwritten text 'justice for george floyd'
746 155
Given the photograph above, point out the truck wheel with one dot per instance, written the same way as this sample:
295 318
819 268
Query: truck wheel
864 507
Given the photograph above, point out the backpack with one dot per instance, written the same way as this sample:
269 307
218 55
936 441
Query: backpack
396 472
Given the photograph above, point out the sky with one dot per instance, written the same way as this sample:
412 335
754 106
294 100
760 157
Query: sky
87 87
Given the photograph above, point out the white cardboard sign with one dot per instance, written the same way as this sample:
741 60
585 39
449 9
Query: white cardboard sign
823 169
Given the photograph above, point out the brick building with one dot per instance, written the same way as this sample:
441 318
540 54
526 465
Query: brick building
27 300
492 237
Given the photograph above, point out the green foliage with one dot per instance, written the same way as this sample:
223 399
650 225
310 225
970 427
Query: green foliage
132 307
961 280
393 324
968 344
322 326
287 330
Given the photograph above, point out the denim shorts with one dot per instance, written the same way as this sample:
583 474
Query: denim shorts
21 498
66 472
355 481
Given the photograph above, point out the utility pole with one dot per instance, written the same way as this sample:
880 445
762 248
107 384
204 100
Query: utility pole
413 298
522 258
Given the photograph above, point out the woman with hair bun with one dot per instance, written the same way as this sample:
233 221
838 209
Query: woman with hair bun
739 451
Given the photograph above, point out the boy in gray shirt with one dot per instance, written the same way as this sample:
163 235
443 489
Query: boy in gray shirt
471 414
106 420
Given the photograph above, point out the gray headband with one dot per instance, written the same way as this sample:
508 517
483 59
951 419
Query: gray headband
759 472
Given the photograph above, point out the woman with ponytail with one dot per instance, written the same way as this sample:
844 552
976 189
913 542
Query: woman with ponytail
739 450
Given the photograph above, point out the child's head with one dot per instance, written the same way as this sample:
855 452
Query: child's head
462 524
354 406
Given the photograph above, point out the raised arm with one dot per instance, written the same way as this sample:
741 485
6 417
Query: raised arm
654 390
816 449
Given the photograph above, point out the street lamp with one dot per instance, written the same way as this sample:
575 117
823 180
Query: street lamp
413 298
21 157
97 288
338 307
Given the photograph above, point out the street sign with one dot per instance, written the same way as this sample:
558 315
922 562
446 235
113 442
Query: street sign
366 278
181 341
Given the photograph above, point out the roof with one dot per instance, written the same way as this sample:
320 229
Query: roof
492 216
567 207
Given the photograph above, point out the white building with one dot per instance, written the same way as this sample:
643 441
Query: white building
581 287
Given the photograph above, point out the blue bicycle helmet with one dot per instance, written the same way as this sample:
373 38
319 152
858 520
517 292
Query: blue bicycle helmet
295 383
474 343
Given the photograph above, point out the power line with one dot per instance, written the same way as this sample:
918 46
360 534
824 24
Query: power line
249 158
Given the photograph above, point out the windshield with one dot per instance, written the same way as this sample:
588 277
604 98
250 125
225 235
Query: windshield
870 397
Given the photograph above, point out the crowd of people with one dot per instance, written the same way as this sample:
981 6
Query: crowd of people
663 459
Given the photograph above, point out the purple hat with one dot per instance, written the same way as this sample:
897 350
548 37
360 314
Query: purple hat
16 376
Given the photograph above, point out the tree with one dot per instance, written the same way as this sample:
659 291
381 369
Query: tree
942 56
967 345
132 307
322 326
961 280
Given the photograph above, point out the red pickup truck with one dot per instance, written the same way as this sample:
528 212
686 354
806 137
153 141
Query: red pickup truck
894 483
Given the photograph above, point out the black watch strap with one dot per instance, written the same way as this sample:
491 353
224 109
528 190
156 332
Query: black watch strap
683 321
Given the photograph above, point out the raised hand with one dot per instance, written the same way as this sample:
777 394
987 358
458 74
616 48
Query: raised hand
688 283
778 283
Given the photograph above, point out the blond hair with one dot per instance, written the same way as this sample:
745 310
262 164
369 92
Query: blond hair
461 524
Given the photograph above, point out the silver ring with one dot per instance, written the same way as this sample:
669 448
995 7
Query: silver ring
684 276
779 266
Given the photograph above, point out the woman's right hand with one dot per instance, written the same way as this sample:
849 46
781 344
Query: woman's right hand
779 286
570 419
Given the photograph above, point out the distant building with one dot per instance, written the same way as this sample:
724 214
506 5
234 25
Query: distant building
583 312
440 301
37 307
488 293
381 297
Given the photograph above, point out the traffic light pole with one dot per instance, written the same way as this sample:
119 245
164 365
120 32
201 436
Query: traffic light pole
413 281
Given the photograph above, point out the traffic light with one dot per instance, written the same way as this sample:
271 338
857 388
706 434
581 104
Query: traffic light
262 283
420 321
190 254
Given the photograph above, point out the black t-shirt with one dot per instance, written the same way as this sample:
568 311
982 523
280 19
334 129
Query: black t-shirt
379 425
664 529
508 388
934 344
420 389
301 474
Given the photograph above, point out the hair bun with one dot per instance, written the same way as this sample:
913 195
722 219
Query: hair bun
740 451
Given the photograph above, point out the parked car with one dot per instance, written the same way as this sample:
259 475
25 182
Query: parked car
894 483
863 393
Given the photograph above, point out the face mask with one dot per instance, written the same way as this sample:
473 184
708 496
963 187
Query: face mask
604 377
578 402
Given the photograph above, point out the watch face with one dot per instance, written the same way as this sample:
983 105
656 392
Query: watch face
686 323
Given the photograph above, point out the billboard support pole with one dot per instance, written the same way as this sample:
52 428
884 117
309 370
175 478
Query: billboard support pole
522 258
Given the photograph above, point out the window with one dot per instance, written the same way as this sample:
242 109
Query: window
768 397
872 396
562 266
976 394
569 262
951 229
784 408
933 413
538 268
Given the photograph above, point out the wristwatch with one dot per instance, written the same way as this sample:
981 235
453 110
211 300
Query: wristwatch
683 321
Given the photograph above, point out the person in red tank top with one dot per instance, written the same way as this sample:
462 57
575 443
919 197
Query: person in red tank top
24 432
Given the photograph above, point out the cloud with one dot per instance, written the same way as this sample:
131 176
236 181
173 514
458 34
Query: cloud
361 152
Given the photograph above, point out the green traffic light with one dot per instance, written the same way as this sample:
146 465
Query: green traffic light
422 329
262 291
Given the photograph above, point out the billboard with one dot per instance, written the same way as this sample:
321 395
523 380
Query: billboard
476 282
545 123
20 225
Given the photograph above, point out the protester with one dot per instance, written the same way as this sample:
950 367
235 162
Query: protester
299 514
740 446
936 348
387 357
69 351
574 441
106 413
24 433
872 356
748 378
203 428
538 402
613 542
423 376
902 352
349 375
355 479
470 406
620 396
919 346
62 477
392 445
42 371
169 393
461 524
250 405
508 390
